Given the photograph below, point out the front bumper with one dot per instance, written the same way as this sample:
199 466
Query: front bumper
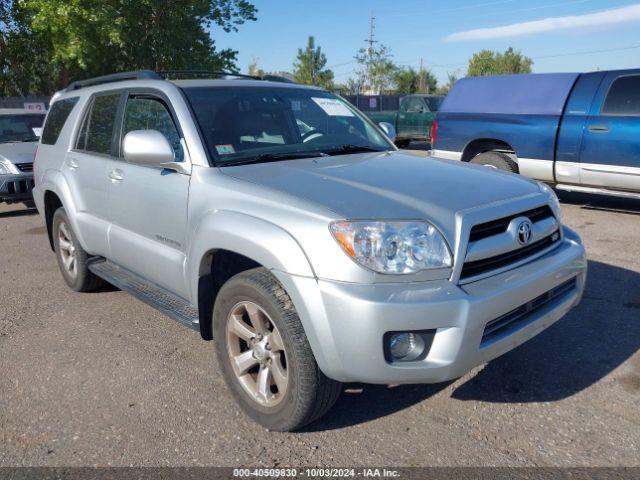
16 187
346 323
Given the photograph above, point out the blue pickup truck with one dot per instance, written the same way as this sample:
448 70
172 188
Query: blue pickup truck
579 131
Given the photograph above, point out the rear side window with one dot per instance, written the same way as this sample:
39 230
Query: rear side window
623 97
96 134
58 115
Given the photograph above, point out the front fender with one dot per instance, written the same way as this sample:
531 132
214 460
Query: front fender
255 238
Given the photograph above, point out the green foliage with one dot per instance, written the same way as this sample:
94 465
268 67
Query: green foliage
377 70
487 62
408 80
75 39
452 78
310 66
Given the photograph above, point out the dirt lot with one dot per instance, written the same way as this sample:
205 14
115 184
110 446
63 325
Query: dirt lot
102 379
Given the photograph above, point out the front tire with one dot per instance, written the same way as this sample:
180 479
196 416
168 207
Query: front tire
265 356
72 258
498 160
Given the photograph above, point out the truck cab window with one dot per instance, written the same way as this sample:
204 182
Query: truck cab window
623 97
145 113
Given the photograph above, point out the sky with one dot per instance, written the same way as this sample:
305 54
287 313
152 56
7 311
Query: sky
560 36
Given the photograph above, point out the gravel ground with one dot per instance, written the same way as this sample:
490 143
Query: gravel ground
102 379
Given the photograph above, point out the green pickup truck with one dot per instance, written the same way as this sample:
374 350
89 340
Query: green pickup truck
414 118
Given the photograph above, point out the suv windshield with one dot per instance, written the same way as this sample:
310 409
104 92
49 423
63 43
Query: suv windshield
20 128
245 124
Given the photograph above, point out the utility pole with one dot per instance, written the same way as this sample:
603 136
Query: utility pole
370 41
421 77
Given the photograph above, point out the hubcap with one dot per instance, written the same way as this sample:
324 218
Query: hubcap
67 250
257 354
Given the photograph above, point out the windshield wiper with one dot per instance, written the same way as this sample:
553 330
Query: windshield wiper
349 148
272 157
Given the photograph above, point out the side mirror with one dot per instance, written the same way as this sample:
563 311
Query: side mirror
388 129
151 148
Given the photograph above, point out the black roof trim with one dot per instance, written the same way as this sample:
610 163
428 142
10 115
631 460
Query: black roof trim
163 75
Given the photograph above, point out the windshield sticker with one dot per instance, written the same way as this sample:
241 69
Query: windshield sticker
295 105
333 107
37 131
225 149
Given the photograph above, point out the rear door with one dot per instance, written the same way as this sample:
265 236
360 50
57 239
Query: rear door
86 165
610 153
410 117
149 203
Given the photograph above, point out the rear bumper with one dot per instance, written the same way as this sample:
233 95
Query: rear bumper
346 323
16 188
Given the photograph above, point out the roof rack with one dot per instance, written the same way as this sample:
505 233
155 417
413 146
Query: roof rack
163 75
114 77
203 73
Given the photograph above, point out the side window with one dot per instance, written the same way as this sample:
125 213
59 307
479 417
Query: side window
144 113
96 134
623 97
415 105
56 119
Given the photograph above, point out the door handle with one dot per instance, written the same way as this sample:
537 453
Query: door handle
72 164
116 175
598 128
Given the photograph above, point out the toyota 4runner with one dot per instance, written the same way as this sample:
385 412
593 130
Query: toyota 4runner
280 222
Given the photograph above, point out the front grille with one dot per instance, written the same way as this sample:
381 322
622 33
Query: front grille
523 315
496 227
19 186
25 167
477 267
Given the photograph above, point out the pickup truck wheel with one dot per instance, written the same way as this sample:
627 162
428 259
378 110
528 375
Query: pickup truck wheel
72 259
402 143
496 160
265 355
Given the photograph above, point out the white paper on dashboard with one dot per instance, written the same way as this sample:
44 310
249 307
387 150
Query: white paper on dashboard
333 107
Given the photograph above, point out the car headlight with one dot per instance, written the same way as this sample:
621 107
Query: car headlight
393 247
555 203
7 168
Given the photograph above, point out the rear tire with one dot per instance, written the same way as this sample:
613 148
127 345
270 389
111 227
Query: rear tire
498 160
268 343
72 259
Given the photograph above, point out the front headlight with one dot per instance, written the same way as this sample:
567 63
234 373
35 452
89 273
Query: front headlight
393 247
7 168
555 203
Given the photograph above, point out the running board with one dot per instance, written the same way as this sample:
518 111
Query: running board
600 191
166 302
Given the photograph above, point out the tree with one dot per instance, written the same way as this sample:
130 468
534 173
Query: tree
309 67
377 70
253 69
452 78
487 62
83 38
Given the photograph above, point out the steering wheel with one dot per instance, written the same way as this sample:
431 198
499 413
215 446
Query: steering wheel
310 135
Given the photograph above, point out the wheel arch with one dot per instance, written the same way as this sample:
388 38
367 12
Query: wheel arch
481 145
227 243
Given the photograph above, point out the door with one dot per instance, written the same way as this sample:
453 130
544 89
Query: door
410 121
85 168
610 154
149 203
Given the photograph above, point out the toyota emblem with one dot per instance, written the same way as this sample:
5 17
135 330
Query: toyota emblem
524 231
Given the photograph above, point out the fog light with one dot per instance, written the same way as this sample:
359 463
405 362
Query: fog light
405 346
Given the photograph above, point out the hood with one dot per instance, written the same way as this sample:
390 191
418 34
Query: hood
394 185
18 152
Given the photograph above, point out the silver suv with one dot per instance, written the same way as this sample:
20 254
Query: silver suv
277 220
